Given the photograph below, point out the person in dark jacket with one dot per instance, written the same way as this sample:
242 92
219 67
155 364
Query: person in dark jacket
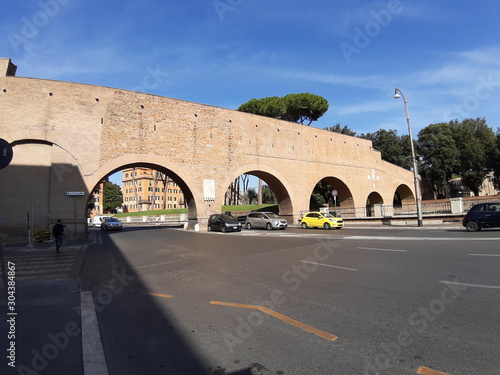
58 232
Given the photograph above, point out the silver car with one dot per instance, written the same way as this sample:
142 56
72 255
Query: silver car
111 223
268 220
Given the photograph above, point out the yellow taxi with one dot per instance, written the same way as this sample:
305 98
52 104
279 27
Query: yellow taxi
321 219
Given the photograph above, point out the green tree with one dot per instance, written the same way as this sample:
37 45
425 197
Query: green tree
251 195
496 161
440 156
300 108
341 129
394 149
113 197
272 106
477 144
268 196
304 107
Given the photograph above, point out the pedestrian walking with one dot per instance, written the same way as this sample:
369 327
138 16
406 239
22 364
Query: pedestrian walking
58 232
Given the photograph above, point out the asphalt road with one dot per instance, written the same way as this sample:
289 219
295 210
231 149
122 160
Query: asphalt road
351 301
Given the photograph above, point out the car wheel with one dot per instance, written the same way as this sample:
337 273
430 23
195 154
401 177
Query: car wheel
326 226
269 226
223 229
209 228
249 226
303 225
472 226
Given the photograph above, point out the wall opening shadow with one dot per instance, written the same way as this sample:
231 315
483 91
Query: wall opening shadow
138 335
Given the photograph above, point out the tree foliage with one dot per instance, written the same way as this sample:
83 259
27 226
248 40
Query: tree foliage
268 196
440 156
395 149
476 142
467 149
496 162
113 197
300 108
341 129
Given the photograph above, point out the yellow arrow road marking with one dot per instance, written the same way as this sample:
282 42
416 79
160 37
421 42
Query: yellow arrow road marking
428 371
161 295
279 316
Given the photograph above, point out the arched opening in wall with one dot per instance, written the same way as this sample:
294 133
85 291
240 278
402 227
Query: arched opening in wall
403 195
42 184
334 195
374 204
258 190
134 191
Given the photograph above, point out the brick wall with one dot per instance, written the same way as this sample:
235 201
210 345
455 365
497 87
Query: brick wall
101 130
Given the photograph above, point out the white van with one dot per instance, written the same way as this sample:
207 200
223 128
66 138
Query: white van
96 221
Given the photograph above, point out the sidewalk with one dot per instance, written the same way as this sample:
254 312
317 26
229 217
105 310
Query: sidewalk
55 327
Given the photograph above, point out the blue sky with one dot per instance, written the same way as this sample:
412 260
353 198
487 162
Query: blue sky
443 55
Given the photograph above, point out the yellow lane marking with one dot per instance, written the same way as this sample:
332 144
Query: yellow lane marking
161 295
428 371
284 318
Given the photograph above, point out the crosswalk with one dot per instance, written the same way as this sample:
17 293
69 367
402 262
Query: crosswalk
45 263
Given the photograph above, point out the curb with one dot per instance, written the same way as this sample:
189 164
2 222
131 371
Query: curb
94 361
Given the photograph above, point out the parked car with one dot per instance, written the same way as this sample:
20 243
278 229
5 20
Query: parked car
483 215
268 220
96 221
321 219
224 223
110 223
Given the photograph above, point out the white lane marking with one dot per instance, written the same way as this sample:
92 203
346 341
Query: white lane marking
418 238
329 265
471 285
485 255
373 248
159 264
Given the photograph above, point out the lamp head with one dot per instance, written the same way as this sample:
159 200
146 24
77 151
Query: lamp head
396 94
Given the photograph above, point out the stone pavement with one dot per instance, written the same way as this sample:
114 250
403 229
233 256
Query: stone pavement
42 261
54 317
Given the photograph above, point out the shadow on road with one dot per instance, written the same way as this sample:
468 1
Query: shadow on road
138 336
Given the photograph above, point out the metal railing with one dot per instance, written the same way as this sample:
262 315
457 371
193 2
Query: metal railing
441 207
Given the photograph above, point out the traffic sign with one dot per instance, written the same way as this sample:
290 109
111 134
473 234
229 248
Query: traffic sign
6 153
335 193
73 193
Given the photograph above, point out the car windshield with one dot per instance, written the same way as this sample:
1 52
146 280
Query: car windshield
273 216
113 219
227 217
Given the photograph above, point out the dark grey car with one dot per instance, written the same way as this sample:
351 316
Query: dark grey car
267 220
223 223
483 215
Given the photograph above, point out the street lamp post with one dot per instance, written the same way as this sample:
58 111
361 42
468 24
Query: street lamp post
398 94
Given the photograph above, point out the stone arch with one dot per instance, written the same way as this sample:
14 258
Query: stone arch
38 180
277 184
181 178
405 195
373 201
345 198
